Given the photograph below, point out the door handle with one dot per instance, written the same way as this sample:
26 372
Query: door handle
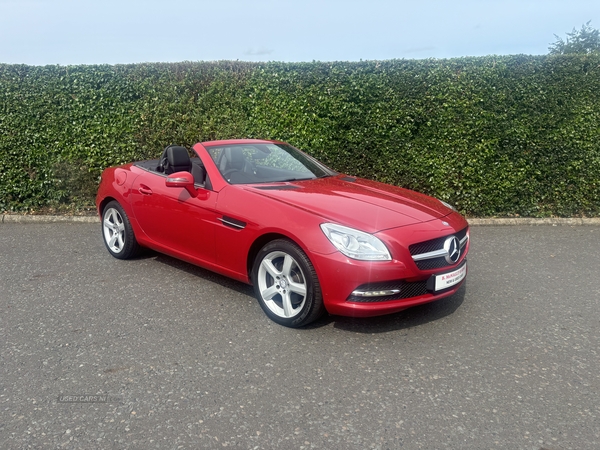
143 189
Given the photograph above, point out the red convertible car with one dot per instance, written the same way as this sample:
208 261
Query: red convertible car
308 239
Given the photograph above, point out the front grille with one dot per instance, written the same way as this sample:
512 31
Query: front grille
407 290
431 246
432 264
434 244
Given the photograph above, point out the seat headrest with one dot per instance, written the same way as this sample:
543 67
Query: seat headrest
178 156
174 159
235 158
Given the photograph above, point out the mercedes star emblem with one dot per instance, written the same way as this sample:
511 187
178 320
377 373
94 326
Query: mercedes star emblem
452 247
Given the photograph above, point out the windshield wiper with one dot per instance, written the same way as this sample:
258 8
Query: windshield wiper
294 179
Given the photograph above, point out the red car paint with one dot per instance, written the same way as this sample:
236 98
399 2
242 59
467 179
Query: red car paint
186 224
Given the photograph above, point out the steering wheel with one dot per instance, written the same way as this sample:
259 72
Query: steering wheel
228 172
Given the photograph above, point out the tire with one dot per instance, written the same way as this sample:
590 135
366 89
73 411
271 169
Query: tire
117 232
286 284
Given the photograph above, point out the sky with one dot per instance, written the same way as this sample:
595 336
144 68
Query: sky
71 32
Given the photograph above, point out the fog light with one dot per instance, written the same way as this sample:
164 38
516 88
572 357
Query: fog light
384 293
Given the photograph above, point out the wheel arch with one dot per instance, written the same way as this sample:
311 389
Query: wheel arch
259 243
105 201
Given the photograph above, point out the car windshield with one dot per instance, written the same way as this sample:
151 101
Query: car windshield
265 163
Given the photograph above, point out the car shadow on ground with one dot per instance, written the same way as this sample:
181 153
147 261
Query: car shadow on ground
409 318
199 272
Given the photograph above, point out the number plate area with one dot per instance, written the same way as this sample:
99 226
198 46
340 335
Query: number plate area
443 281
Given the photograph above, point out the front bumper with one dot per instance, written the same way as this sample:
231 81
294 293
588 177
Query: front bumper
399 284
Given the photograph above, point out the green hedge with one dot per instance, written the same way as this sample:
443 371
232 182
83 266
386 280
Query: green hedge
499 135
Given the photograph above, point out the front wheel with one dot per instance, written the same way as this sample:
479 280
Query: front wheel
286 284
118 233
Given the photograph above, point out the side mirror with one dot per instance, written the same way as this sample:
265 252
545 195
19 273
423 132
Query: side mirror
182 180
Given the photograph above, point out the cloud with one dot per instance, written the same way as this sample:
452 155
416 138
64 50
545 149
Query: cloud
258 52
419 49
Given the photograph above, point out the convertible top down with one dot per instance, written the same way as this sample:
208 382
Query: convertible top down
308 239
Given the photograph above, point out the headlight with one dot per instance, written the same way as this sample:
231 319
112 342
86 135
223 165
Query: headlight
447 205
356 244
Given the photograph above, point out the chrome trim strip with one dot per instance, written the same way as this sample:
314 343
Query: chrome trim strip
231 224
430 255
463 241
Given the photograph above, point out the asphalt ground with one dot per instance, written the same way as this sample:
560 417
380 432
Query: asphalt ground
156 353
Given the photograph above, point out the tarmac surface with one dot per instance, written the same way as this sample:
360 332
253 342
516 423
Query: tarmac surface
157 353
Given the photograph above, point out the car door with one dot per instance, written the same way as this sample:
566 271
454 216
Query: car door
173 219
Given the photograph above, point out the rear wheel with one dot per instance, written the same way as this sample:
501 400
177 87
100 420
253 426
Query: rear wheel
118 233
286 284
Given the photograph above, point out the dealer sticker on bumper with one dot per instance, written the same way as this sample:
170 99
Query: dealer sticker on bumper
447 280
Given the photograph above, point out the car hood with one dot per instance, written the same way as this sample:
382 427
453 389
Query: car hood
363 204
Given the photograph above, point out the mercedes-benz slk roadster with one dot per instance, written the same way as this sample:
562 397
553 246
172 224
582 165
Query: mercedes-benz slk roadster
308 239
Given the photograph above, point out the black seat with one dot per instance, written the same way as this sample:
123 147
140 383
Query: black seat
175 159
233 159
237 160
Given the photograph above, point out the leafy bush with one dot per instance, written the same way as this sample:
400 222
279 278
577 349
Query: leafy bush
498 135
